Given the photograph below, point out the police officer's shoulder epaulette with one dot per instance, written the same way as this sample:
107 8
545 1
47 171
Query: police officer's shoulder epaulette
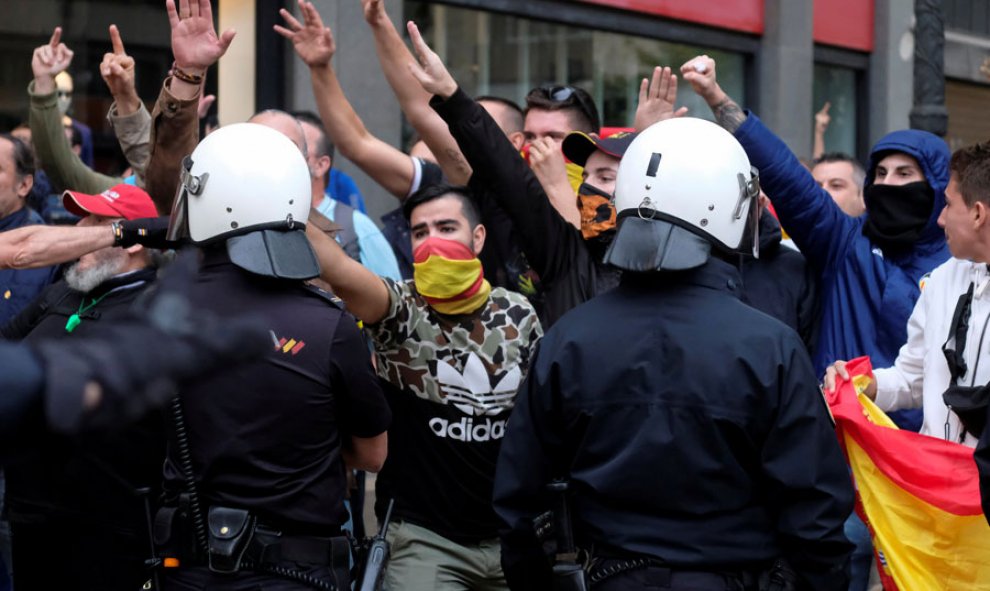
324 295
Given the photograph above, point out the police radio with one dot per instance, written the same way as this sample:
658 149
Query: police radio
377 558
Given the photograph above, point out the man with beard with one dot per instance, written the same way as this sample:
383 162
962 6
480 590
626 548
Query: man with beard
80 502
452 352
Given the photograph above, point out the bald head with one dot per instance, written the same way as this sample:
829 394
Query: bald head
283 123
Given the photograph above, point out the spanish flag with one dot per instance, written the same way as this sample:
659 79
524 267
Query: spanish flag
919 496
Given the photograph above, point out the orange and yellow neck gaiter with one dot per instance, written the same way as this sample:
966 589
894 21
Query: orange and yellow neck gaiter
449 276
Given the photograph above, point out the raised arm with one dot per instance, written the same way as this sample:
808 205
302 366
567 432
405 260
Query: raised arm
546 238
364 292
128 116
60 163
810 216
395 58
175 124
314 44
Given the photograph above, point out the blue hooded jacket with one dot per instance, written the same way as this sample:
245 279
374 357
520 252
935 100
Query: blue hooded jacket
867 296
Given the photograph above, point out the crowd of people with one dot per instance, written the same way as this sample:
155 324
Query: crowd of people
574 359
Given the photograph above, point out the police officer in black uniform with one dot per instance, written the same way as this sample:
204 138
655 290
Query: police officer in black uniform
689 427
120 372
255 468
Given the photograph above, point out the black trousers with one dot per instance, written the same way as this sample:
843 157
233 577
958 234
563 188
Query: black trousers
664 579
81 557
201 578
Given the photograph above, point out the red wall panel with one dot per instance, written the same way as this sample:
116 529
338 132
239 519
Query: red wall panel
738 15
846 23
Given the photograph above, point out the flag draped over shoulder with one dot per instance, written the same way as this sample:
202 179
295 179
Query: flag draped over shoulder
919 495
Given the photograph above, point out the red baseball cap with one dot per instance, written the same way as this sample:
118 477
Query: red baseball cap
120 201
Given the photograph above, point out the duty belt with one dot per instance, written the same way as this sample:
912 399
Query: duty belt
237 541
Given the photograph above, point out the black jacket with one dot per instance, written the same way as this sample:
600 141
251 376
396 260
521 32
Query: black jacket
691 429
782 284
90 479
982 457
570 272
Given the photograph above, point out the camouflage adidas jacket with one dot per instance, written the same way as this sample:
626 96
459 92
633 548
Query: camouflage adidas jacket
452 382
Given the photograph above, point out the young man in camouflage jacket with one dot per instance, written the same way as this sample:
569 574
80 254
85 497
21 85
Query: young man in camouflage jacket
453 352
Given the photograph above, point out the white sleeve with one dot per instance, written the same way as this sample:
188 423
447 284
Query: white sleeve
417 176
901 386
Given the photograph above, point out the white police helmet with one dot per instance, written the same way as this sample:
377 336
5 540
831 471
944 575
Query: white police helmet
683 186
249 185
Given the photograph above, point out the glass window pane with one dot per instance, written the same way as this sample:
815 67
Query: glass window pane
507 56
837 86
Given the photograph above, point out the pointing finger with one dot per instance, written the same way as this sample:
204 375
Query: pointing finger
115 41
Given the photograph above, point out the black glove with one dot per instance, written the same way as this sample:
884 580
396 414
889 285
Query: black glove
148 232
137 363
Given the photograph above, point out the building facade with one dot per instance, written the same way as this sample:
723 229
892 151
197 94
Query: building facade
782 58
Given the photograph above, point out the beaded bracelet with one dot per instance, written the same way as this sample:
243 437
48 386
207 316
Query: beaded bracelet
185 76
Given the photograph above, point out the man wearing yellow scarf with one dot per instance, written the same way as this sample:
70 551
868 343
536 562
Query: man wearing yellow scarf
452 352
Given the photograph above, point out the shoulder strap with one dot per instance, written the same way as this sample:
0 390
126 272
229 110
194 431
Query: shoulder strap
328 297
343 215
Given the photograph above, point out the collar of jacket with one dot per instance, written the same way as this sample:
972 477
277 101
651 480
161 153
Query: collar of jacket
16 220
715 274
131 279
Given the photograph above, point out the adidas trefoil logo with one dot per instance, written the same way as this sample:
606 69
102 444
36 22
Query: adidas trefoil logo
470 391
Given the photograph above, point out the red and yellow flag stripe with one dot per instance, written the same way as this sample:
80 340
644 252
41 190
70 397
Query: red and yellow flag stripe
919 496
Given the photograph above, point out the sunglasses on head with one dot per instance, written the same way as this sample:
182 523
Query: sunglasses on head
571 95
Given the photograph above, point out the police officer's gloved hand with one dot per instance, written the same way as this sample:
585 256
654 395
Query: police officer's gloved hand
148 232
139 363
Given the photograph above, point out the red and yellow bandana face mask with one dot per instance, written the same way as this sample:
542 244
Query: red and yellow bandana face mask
449 276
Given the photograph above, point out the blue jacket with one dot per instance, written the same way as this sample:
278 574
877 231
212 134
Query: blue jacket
867 297
19 286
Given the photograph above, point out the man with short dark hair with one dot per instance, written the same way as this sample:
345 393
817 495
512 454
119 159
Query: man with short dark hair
946 329
686 426
399 173
18 286
555 111
842 176
452 351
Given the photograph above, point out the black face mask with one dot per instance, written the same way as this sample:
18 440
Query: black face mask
896 215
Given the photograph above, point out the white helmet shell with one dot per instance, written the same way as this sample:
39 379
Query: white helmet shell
242 177
689 177
249 185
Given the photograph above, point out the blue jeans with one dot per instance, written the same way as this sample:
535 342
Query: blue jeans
862 556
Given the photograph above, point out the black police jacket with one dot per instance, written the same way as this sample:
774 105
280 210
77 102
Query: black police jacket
781 283
691 429
570 271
